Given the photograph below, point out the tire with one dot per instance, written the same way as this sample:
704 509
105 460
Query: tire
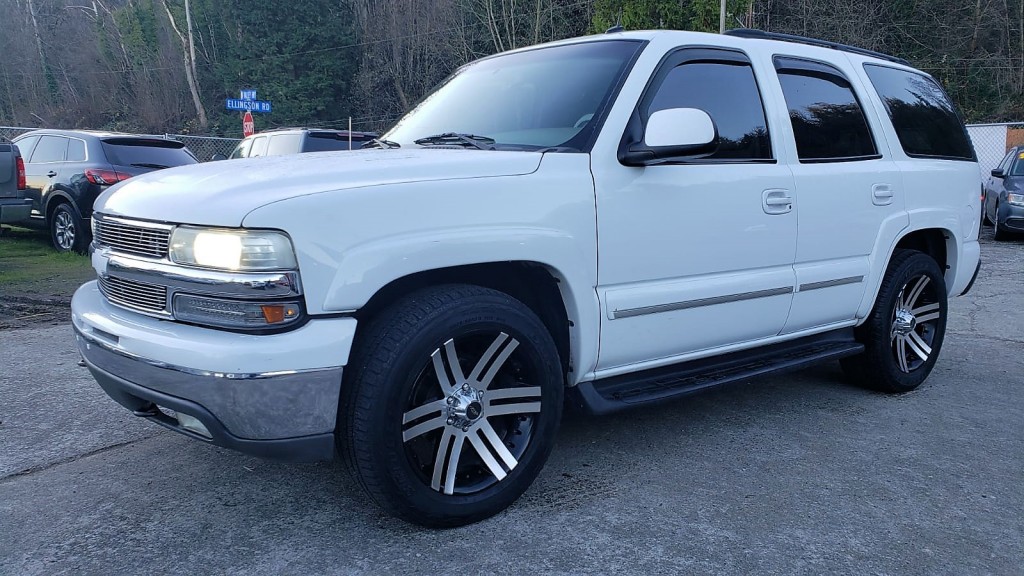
998 233
67 232
404 418
900 349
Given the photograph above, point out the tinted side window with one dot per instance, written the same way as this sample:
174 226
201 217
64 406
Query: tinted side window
259 147
281 144
926 122
76 150
828 122
50 149
728 92
25 146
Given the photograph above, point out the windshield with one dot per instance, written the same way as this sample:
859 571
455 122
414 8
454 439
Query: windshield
535 99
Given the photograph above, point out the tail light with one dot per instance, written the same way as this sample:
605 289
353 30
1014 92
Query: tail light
22 184
105 177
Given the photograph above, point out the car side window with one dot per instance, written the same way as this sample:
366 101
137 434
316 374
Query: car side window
281 144
828 122
50 149
1004 164
728 92
25 146
242 150
926 121
259 147
76 150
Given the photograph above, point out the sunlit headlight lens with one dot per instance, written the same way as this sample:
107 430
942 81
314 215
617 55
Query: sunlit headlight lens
227 249
1015 199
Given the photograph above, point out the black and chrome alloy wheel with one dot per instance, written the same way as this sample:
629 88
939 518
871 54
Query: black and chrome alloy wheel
903 334
451 404
914 323
463 433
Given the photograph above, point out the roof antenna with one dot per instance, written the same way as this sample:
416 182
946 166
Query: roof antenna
618 25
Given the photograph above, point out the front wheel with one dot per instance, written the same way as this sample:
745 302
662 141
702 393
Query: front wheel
998 232
67 232
904 333
452 407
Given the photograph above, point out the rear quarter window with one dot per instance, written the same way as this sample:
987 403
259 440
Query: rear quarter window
926 121
281 144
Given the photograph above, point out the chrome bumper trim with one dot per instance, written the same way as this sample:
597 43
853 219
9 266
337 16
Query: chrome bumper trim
266 406
94 341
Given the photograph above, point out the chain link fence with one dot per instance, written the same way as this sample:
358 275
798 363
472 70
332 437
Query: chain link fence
204 147
992 141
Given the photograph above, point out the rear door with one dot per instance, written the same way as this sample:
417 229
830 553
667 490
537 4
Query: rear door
132 156
847 187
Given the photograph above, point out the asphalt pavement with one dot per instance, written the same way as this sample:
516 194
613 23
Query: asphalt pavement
796 474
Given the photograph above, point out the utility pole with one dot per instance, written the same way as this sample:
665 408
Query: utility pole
721 19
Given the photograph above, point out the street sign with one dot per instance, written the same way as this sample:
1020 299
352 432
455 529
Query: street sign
248 125
248 105
247 94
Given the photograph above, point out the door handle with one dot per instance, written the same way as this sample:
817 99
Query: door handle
776 201
881 194
51 173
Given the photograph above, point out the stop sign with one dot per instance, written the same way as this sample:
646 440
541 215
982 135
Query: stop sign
248 126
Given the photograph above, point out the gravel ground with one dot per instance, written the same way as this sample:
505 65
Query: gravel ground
794 474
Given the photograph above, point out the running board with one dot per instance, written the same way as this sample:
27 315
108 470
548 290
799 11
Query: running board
631 390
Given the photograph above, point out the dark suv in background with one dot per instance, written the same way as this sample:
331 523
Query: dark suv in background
66 170
296 141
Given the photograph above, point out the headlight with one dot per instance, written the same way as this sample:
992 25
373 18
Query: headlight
228 249
1015 199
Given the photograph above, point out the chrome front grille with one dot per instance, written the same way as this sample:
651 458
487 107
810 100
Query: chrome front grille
141 239
135 295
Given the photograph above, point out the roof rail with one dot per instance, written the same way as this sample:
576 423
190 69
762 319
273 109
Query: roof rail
762 35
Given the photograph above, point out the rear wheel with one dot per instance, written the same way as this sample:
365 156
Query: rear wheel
454 400
67 232
904 333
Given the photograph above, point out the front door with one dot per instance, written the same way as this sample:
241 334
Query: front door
696 253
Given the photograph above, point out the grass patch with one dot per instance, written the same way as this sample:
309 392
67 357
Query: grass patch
30 266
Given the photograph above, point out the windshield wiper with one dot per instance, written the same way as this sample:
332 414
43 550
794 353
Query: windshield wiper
379 143
457 139
148 165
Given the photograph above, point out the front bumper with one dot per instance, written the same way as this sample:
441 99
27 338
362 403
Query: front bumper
274 396
1011 217
13 210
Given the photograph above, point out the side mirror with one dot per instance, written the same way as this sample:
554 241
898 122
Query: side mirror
218 157
673 133
999 173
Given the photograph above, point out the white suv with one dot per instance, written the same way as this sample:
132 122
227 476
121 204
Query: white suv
609 221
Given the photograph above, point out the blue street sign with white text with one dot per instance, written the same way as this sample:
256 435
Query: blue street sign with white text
250 105
248 94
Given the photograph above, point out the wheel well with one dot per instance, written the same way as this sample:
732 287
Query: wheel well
52 204
529 282
931 241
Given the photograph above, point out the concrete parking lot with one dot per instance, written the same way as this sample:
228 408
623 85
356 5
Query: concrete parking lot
794 474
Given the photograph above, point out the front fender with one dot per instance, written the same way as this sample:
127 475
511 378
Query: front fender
352 243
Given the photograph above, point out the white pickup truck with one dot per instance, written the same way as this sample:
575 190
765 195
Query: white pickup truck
609 221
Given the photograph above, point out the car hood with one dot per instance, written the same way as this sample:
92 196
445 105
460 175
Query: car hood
1014 184
222 193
